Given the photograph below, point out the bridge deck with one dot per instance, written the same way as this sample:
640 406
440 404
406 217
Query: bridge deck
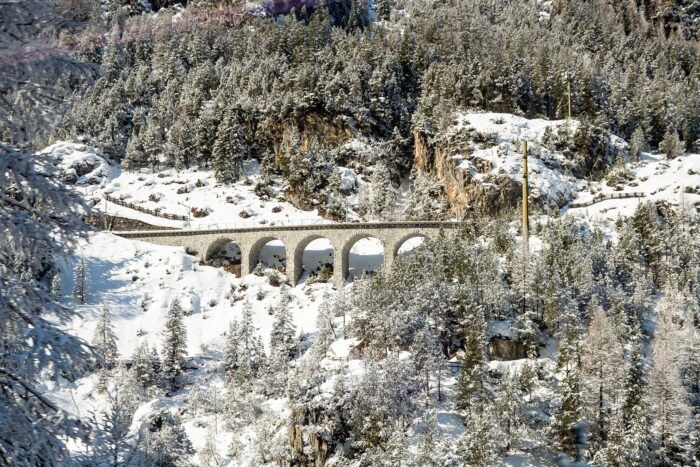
287 228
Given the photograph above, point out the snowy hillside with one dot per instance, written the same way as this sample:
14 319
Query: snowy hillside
139 282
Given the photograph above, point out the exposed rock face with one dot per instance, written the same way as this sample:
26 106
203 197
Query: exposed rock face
478 160
308 443
465 195
506 349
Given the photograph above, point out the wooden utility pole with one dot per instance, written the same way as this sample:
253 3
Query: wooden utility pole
526 217
568 87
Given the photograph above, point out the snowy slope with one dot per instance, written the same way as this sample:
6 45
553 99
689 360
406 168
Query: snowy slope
504 155
676 181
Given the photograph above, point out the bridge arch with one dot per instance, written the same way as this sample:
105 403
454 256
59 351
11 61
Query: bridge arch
402 241
217 248
295 272
256 250
351 242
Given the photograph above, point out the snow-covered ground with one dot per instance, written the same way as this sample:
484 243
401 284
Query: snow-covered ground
658 178
504 155
138 281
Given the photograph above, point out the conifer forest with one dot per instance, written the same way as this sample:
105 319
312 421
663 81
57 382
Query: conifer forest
349 233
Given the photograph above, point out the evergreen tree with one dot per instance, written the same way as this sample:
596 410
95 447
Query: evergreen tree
566 421
427 201
478 445
283 345
667 399
105 340
508 408
244 356
470 386
228 151
209 455
671 145
174 347
56 286
603 377
380 203
80 281
144 363
165 442
638 144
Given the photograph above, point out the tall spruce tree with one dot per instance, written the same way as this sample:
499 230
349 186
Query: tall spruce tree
80 282
174 345
229 150
105 340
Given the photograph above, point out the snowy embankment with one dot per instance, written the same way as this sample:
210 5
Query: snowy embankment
675 181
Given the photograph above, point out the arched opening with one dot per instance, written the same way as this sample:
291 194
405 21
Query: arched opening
225 253
365 254
316 256
409 243
268 252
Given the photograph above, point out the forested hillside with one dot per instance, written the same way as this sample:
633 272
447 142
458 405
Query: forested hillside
477 347
291 91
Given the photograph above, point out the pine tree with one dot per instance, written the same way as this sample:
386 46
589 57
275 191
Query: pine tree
478 445
112 443
427 357
228 151
638 144
326 329
80 281
667 399
244 356
381 202
56 286
283 345
470 386
209 455
429 453
174 347
165 442
427 201
144 363
508 408
565 424
603 376
105 340
671 145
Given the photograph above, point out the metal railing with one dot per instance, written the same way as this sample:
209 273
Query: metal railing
606 196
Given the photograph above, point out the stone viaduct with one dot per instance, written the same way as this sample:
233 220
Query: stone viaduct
207 243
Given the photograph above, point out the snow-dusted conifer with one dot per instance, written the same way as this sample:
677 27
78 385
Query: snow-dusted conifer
105 340
508 408
470 386
667 398
228 151
56 286
209 455
165 442
603 373
112 443
565 423
144 363
245 355
80 281
478 444
174 347
428 358
638 143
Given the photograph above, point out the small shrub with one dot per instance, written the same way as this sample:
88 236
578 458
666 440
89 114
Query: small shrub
199 212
